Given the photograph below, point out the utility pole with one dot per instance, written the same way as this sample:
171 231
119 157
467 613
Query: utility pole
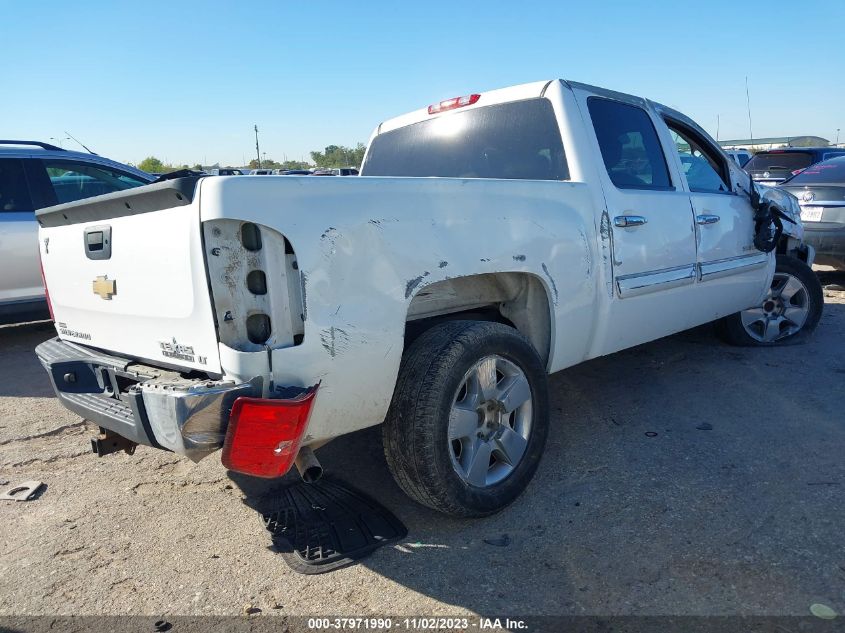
257 151
717 128
748 105
837 137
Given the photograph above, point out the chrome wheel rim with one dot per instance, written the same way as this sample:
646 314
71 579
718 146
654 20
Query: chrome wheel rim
783 312
490 421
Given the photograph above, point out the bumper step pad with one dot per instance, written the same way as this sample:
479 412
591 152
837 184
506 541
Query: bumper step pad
327 525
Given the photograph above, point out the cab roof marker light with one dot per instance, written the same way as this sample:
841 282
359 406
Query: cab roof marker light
454 102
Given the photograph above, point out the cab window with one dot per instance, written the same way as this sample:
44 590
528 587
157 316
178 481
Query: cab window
704 166
629 145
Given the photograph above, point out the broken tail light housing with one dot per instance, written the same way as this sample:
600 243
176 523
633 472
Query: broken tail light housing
451 104
264 435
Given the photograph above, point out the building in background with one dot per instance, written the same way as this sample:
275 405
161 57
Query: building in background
774 142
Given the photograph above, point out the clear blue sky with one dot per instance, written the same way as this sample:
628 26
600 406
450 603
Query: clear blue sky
186 81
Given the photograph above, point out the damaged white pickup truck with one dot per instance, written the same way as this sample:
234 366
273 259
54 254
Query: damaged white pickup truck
556 222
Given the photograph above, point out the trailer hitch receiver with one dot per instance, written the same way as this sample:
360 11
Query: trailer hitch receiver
108 442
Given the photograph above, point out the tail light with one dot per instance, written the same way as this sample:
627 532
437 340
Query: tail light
451 104
264 435
46 290
795 172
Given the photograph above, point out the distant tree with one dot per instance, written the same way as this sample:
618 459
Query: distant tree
295 164
266 163
339 156
151 165
198 167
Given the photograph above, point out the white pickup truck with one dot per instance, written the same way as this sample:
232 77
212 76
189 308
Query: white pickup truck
491 240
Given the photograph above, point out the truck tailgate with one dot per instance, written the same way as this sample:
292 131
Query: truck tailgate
126 273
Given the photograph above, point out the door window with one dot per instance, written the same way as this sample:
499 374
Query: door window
14 192
629 145
703 165
74 180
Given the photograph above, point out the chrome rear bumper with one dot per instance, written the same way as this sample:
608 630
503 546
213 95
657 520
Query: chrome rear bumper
147 405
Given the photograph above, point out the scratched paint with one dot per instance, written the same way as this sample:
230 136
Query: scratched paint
413 283
551 281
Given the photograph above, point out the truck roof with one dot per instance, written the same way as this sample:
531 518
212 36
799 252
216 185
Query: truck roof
530 90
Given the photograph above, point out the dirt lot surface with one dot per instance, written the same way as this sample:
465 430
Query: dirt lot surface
681 477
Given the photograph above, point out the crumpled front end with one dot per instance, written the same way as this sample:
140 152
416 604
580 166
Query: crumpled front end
788 204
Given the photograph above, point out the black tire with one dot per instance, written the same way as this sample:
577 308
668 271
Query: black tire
732 331
415 431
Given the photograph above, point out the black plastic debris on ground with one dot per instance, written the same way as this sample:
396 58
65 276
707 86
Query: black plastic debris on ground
326 525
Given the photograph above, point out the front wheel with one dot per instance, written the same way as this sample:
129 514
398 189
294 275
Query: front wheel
469 418
789 313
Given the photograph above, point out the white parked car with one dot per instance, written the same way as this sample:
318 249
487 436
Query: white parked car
35 175
490 240
740 156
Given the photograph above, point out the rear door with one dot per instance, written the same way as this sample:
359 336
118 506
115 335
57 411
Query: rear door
20 279
650 221
733 272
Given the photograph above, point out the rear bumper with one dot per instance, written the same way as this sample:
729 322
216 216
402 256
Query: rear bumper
147 405
828 238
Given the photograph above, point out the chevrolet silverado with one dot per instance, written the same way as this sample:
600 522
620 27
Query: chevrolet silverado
490 240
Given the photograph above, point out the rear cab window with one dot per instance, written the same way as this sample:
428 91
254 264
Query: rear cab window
629 145
517 140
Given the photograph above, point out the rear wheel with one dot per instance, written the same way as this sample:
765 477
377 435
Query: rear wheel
789 313
469 418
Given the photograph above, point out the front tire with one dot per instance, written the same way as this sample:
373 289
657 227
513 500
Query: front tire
789 313
469 418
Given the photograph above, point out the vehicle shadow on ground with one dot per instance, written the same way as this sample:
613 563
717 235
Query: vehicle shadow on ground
660 490
832 279
21 374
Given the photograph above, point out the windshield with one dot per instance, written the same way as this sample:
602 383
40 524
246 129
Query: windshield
787 161
518 140
829 171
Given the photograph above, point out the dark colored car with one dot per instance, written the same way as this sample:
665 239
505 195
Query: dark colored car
820 190
336 171
773 166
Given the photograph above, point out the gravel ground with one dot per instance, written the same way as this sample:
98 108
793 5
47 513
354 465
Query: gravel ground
735 506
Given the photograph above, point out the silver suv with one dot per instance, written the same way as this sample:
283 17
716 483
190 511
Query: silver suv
35 175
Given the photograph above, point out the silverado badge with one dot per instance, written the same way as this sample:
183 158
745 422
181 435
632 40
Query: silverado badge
105 287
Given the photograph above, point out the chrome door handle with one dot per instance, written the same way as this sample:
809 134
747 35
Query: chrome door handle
629 220
706 218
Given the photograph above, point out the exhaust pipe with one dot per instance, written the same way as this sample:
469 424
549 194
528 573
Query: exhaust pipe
306 463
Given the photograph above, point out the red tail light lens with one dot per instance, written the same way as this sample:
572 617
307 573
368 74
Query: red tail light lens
264 435
451 104
46 290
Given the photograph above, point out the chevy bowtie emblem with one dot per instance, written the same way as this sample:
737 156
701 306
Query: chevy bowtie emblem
104 287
